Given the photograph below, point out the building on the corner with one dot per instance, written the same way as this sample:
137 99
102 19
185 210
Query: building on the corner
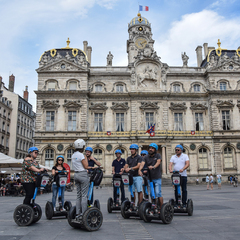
22 121
112 107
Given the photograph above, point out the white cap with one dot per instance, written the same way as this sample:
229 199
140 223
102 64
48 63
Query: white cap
79 143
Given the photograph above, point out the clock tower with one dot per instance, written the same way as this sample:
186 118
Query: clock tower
140 37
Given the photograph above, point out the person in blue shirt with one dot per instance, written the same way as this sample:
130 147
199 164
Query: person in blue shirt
118 167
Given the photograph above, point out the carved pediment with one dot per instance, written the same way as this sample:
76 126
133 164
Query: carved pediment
120 106
63 65
225 104
178 106
98 106
147 53
198 106
72 104
50 104
229 66
149 105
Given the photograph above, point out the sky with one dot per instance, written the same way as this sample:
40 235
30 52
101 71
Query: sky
30 27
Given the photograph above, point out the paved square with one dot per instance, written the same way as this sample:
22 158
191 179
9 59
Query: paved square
216 216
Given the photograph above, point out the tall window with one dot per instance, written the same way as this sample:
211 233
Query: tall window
196 88
98 88
178 122
97 153
199 121
3 126
203 158
223 86
49 158
72 121
50 120
2 142
228 157
119 88
98 122
226 120
7 142
176 88
51 86
69 157
119 122
72 86
149 119
8 128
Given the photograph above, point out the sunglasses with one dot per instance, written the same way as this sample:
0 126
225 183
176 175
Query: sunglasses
177 150
35 152
60 159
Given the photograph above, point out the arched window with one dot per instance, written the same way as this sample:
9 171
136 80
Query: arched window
196 88
49 157
176 88
69 157
51 86
72 86
119 88
223 86
98 154
203 158
228 157
98 88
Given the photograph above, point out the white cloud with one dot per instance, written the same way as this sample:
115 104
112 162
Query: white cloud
194 30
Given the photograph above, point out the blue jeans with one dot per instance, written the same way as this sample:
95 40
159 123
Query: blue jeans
183 184
55 192
157 184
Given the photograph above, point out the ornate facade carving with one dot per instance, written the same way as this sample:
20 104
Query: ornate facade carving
98 106
120 106
225 104
147 53
178 106
198 106
72 105
164 71
50 104
147 74
149 106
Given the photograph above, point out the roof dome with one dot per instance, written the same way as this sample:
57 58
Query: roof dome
139 20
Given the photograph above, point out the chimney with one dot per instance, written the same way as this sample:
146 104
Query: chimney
11 83
205 47
211 48
85 43
89 53
25 94
199 55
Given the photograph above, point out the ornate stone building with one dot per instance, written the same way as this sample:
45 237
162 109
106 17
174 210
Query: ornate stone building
112 107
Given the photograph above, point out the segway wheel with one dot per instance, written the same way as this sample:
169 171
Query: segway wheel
124 208
67 205
71 216
140 209
97 204
92 219
23 215
37 213
49 210
109 205
145 211
171 201
166 213
190 207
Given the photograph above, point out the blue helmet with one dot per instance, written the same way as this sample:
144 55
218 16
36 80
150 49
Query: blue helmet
154 145
144 152
31 149
60 156
134 146
89 149
179 146
118 151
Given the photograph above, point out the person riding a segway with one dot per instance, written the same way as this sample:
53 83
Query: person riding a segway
117 170
180 163
144 176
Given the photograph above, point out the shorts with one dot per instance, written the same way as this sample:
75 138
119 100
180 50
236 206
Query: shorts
219 180
137 184
157 184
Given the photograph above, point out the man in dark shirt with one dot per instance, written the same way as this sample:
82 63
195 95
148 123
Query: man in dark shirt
153 162
118 167
133 164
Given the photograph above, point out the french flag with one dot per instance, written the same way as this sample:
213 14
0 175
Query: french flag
143 8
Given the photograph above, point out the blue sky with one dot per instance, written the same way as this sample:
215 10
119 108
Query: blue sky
30 27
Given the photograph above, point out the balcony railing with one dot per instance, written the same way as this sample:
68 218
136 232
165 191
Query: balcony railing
158 133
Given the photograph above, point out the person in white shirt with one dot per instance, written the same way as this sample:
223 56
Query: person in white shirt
80 165
211 181
181 163
207 181
219 180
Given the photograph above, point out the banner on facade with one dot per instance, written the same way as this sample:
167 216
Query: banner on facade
109 133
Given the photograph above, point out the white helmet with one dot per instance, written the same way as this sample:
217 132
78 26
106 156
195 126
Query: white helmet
79 143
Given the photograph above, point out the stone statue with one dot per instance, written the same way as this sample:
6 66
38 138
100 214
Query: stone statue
109 59
225 56
185 59
58 57
133 78
68 57
235 57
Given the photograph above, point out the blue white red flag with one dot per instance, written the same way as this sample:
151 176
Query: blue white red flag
143 8
151 129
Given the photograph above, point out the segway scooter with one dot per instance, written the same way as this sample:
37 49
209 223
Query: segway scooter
177 205
24 214
151 211
92 218
61 181
110 204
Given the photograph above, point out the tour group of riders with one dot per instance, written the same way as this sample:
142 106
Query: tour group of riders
84 163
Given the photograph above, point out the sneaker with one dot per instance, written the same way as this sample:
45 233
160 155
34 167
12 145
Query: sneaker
54 209
184 206
63 209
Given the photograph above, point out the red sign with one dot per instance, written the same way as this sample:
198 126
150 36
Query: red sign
109 133
192 132
152 134
67 168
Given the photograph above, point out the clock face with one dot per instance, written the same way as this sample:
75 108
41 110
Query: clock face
141 43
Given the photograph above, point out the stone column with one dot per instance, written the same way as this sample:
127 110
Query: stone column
163 159
205 47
